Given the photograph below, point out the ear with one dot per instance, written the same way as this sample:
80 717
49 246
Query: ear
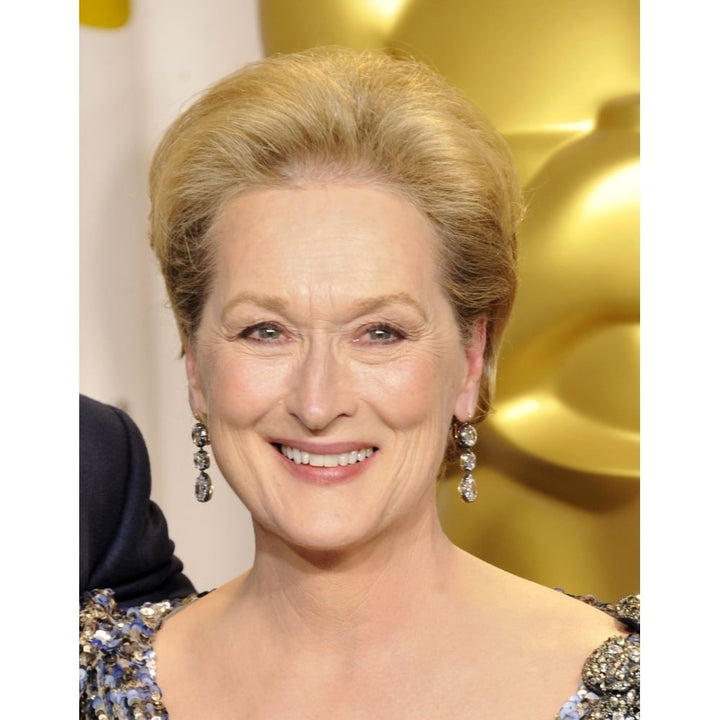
467 399
196 395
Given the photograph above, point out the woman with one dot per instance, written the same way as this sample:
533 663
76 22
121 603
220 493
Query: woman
337 235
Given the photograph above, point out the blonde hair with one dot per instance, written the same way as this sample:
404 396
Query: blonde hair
334 114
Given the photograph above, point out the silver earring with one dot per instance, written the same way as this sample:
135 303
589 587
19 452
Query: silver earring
466 436
203 484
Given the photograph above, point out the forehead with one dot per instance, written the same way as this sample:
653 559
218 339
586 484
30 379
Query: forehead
357 239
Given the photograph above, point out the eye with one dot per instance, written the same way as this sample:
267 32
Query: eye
263 332
383 334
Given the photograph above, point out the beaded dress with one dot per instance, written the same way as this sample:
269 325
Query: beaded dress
117 663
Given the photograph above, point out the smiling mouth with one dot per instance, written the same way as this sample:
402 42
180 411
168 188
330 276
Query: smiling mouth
301 457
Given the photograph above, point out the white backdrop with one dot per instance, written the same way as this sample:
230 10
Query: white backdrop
133 82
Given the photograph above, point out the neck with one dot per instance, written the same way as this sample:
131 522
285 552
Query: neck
354 596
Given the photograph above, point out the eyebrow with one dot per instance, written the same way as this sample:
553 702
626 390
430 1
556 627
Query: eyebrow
361 307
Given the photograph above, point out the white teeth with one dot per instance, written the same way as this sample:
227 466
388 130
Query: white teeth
300 457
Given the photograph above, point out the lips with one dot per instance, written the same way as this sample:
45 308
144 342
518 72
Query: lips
328 460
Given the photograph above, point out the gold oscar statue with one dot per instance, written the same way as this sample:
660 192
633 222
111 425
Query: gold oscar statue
558 474
104 13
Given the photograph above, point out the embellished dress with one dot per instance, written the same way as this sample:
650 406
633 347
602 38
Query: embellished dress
117 663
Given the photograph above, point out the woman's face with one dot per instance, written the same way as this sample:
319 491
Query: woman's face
329 363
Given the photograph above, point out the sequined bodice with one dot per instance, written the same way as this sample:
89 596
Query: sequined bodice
117 663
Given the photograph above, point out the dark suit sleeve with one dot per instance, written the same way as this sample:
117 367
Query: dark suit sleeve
124 541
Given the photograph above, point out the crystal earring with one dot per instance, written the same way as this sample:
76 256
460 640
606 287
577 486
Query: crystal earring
203 484
466 436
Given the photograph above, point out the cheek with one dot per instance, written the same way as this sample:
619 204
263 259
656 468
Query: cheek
240 390
416 390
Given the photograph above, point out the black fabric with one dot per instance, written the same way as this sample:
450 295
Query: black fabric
124 541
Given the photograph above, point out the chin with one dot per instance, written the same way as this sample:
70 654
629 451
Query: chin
331 538
325 535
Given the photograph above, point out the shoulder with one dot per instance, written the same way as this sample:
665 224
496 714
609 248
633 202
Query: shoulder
108 437
117 661
124 540
114 477
610 684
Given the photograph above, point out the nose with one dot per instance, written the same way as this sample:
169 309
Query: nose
321 388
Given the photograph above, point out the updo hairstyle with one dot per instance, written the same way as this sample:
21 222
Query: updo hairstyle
333 114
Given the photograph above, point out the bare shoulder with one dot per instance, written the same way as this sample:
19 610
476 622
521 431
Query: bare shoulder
570 618
539 634
192 627
544 612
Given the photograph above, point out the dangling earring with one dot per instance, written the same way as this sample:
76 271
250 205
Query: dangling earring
466 436
203 484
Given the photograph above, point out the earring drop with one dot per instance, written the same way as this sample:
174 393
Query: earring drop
201 459
466 437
